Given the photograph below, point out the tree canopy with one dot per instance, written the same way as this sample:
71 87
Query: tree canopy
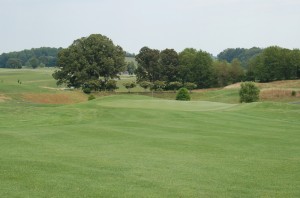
148 65
275 63
93 58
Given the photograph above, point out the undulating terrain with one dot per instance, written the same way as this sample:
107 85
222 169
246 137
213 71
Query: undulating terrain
56 143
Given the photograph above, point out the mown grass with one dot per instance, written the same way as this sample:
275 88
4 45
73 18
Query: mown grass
137 146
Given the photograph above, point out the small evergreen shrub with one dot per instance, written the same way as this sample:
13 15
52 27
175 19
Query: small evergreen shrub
183 94
91 97
293 93
249 92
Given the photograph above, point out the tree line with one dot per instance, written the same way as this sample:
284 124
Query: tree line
35 57
190 68
94 63
265 65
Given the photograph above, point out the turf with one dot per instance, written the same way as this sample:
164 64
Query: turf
139 146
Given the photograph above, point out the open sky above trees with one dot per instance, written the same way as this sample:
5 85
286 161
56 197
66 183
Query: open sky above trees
210 25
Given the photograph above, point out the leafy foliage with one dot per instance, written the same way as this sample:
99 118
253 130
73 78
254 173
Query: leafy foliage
86 90
196 67
89 58
249 92
174 85
183 94
159 85
129 85
145 84
14 63
130 68
227 73
148 65
190 86
275 63
91 97
111 85
169 61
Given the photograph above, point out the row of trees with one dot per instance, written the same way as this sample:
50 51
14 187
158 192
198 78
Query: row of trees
94 63
188 66
265 65
44 56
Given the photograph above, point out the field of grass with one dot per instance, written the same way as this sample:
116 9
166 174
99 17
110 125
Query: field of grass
129 145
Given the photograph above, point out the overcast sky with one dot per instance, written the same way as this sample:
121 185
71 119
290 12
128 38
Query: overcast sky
210 25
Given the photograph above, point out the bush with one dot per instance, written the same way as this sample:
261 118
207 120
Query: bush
293 93
183 94
249 92
86 90
111 85
91 97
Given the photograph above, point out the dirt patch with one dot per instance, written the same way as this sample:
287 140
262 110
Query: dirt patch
233 86
3 98
205 90
52 88
276 93
292 84
60 98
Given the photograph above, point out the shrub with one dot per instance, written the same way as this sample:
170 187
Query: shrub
111 85
183 94
293 93
249 92
86 90
91 97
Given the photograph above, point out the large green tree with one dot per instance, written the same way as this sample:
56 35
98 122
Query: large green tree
93 58
169 62
148 68
14 63
196 67
34 62
275 63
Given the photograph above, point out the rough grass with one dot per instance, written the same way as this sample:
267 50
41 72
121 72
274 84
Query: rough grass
128 145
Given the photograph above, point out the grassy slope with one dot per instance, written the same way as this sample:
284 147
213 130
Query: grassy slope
137 146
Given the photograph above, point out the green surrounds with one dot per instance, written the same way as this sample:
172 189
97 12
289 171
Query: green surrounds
137 146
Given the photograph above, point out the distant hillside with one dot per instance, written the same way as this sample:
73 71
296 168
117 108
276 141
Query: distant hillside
35 57
43 56
242 54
